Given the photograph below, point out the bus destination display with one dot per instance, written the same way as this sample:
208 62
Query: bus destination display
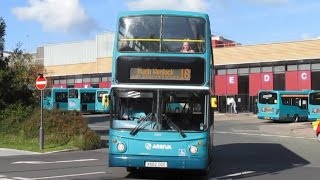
160 74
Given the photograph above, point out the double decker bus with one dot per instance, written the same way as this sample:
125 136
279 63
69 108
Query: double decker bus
314 105
283 105
82 99
55 98
151 73
102 100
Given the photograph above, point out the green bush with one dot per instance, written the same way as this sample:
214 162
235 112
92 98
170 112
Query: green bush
88 141
13 117
61 127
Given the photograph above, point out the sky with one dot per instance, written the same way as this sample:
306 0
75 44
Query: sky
34 23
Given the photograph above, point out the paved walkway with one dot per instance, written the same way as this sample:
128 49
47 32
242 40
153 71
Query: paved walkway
14 152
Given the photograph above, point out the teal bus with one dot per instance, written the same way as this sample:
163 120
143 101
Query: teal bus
283 105
82 99
160 59
314 105
102 100
55 98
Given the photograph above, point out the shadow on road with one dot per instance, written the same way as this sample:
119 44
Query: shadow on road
252 159
235 161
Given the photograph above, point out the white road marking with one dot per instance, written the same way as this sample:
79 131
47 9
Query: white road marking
21 178
53 162
266 135
229 176
69 175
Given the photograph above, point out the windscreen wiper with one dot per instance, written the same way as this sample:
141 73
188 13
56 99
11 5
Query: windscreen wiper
140 126
175 127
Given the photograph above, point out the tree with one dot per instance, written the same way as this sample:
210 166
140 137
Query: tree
17 76
2 34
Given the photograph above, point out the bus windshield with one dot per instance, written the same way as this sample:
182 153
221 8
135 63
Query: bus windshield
268 98
315 98
160 34
183 109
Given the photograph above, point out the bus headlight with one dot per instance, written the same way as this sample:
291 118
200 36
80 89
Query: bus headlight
121 147
193 150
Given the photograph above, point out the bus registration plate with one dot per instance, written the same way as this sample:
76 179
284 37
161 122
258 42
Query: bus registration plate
156 164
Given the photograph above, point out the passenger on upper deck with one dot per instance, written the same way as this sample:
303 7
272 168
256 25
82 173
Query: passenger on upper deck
186 48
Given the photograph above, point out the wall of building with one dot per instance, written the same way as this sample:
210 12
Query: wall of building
100 65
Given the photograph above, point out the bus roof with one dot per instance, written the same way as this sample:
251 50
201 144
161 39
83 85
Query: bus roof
286 91
163 12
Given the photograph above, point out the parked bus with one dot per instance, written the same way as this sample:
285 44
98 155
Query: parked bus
154 67
283 105
102 100
314 105
82 99
55 98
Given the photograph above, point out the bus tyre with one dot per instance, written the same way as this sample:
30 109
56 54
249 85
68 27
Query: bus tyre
296 118
132 169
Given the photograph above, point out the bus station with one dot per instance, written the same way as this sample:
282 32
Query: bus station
148 100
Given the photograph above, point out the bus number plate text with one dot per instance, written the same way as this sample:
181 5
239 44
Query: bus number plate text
156 164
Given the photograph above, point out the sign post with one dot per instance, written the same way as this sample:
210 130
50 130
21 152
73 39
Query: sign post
41 84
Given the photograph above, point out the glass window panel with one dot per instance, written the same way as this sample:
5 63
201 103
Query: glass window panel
292 67
142 33
86 80
243 70
315 66
279 68
232 71
267 69
96 79
56 81
255 70
304 66
63 81
222 71
78 80
70 81
104 79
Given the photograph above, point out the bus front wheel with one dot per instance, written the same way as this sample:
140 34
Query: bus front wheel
296 118
132 169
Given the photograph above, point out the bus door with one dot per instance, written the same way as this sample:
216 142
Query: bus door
74 100
102 101
87 101
61 100
48 100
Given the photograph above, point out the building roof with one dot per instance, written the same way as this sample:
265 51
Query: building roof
285 51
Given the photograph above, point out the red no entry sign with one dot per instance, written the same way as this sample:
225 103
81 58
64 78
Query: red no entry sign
41 83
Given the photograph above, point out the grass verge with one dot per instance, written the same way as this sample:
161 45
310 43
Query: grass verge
28 144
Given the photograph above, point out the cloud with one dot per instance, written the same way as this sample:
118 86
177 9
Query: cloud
186 5
57 15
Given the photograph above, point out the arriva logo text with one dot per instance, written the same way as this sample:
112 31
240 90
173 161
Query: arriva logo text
150 146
